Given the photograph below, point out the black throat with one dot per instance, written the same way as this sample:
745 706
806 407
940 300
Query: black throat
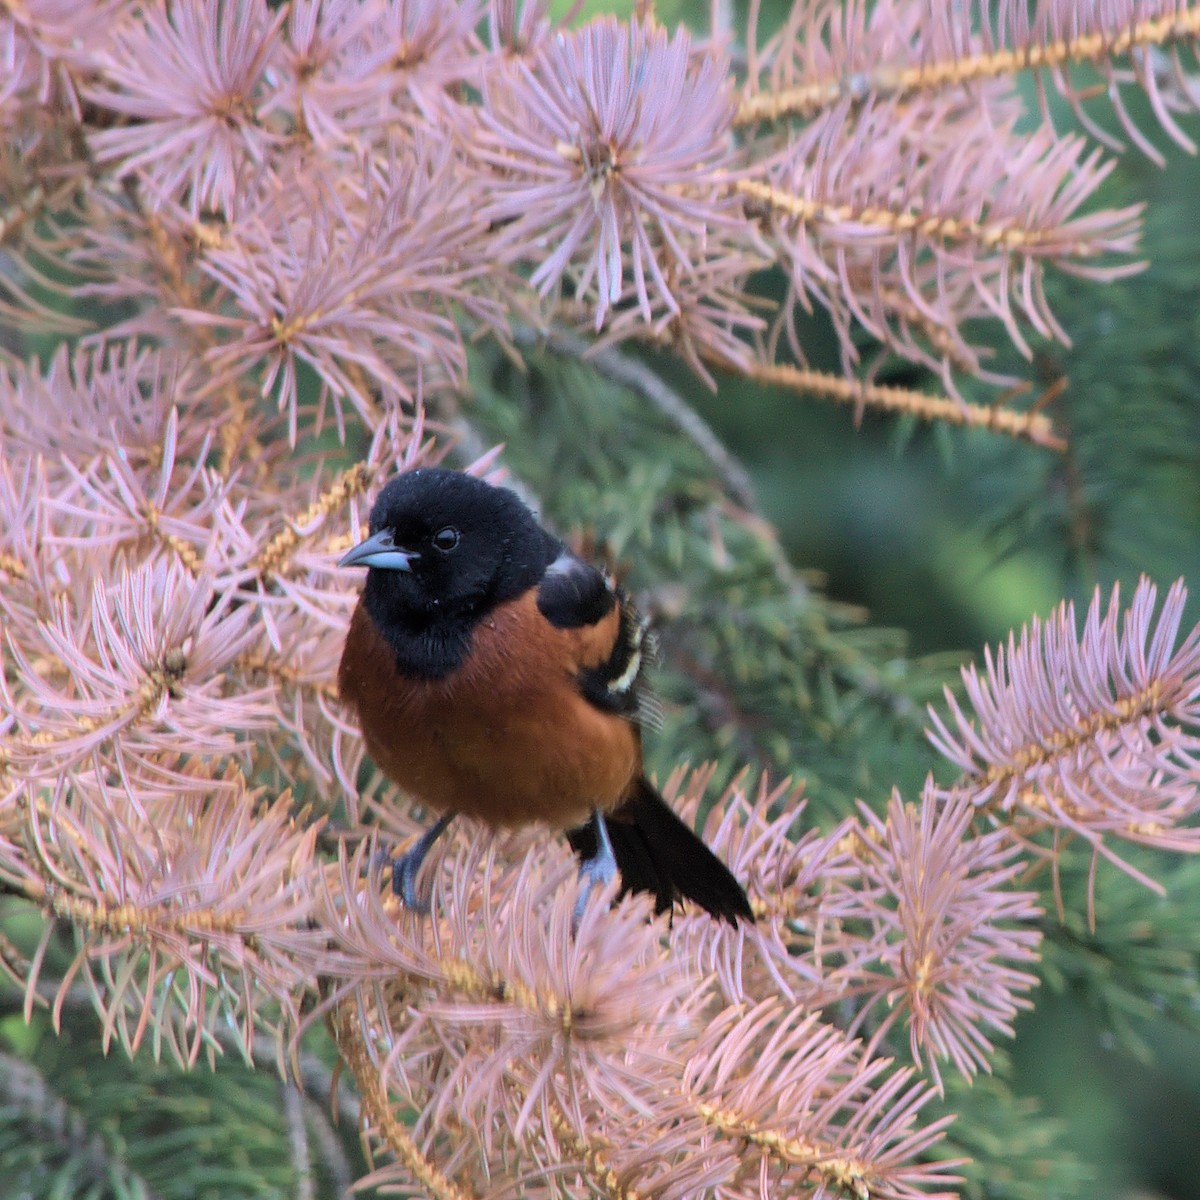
431 634
426 645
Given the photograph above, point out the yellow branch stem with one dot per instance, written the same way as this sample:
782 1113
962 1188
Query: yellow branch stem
379 1111
143 920
13 566
1034 799
902 222
237 406
1130 709
1031 427
280 673
812 97
182 550
351 482
592 1156
847 1175
37 202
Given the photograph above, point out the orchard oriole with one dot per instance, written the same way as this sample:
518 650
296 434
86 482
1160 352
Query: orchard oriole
496 674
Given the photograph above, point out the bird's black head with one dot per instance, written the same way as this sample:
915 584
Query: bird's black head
445 548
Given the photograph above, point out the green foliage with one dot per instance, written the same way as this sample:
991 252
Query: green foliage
1017 1152
1141 960
1123 499
78 1123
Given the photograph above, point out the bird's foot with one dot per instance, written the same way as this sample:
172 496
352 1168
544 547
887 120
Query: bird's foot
598 870
406 866
404 881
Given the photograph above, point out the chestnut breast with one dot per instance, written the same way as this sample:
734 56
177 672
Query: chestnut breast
506 737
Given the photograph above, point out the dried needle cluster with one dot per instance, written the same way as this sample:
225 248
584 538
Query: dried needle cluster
348 185
237 223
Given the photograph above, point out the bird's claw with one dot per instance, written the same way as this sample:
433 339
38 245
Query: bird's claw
404 881
600 869
405 866
595 872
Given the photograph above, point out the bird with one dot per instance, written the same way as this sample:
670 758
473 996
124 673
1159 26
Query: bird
496 674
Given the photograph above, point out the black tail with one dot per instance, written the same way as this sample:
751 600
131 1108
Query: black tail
658 853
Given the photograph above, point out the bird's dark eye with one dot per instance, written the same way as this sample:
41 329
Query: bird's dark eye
445 539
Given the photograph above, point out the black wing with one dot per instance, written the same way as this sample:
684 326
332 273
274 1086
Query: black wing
574 593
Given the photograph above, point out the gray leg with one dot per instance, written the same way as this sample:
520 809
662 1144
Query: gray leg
406 865
599 869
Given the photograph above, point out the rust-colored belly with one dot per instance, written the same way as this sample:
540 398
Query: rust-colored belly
508 739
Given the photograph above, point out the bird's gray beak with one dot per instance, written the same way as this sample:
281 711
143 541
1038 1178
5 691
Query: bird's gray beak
379 551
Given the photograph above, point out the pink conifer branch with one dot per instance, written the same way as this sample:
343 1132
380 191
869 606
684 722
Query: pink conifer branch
827 52
1087 734
194 918
187 77
955 933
